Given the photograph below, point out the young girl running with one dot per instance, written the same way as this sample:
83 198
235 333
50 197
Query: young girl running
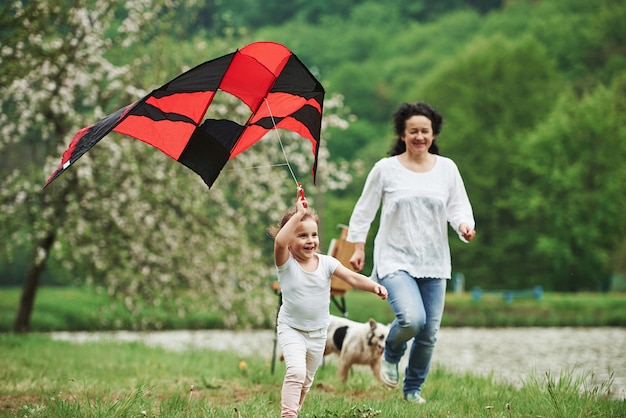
304 277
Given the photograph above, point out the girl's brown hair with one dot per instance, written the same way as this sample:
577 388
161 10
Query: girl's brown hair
310 214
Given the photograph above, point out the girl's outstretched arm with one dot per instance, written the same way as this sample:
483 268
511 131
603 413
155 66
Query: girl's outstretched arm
359 281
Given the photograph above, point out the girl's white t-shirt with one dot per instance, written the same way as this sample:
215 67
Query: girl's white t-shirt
306 295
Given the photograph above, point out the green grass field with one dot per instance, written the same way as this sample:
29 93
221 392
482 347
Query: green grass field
73 309
41 377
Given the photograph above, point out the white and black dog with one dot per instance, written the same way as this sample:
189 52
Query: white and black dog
356 343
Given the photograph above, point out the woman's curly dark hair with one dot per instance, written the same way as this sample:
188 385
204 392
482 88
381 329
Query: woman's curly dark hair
404 112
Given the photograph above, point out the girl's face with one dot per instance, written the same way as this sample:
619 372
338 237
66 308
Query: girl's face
418 134
305 243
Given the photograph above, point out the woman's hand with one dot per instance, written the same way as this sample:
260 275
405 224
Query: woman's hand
357 261
467 232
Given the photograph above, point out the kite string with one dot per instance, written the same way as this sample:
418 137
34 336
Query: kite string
299 186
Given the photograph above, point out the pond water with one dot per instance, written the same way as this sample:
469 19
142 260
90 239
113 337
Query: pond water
508 354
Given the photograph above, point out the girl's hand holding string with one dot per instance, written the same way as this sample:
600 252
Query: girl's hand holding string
301 205
380 291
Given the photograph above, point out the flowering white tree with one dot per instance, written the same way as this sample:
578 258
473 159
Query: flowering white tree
54 54
142 226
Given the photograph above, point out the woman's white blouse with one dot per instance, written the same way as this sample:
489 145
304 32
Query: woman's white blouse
416 208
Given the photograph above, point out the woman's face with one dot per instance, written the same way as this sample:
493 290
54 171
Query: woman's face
418 134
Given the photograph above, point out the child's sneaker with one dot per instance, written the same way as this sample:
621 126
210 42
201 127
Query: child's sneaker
388 373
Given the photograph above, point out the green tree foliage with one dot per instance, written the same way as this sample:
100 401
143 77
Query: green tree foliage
530 93
490 100
568 189
495 77
375 69
58 68
127 218
222 16
582 35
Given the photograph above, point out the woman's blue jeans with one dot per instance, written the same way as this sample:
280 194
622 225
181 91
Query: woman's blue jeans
418 304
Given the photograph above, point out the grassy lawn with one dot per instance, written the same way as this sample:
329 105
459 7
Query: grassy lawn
74 308
40 377
84 309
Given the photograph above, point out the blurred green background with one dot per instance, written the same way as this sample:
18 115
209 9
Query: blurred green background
533 99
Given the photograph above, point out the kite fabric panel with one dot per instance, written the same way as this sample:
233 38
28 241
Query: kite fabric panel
275 85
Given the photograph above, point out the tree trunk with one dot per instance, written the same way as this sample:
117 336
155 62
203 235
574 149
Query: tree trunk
31 282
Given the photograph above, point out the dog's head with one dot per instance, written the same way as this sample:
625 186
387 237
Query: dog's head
376 336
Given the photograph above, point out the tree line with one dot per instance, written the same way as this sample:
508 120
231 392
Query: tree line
512 84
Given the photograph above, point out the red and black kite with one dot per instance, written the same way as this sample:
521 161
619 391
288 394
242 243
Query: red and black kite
279 90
